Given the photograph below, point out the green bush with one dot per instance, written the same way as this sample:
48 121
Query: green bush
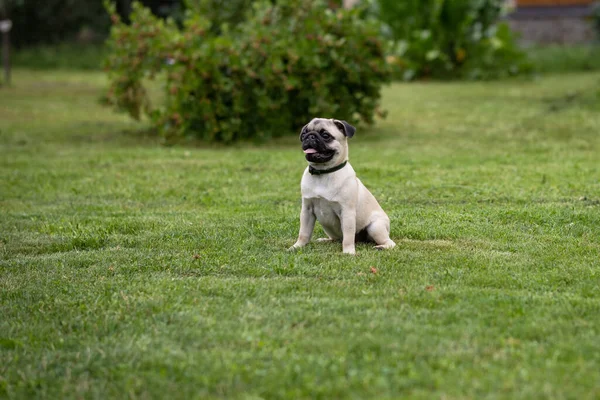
221 13
449 39
266 76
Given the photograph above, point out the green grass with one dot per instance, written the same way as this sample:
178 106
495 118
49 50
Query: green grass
67 56
553 59
549 59
130 269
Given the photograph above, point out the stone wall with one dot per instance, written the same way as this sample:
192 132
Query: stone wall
554 30
557 24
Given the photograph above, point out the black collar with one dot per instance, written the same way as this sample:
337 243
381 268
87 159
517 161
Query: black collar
314 171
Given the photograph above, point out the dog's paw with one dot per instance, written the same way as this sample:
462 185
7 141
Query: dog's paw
297 246
350 251
386 246
324 240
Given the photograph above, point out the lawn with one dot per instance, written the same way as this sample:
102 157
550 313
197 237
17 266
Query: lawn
132 269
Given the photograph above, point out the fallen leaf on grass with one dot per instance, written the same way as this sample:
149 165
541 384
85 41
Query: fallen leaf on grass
196 256
430 288
373 270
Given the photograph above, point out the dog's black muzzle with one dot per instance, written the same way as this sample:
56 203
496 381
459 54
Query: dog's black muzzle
312 140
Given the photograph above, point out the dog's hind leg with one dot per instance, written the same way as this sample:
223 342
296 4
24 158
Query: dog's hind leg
379 231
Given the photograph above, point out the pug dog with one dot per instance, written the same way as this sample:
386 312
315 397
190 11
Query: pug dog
333 195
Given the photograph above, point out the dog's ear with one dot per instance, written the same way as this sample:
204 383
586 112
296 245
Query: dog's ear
345 127
303 131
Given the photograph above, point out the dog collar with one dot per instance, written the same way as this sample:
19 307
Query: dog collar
314 171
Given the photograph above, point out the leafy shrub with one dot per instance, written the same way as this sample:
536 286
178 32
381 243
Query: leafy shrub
222 14
449 38
286 63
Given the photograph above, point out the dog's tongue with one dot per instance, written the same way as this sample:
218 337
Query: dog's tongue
310 151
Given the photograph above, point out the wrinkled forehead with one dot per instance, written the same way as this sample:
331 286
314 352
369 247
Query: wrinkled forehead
321 123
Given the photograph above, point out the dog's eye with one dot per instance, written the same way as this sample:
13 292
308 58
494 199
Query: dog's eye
325 135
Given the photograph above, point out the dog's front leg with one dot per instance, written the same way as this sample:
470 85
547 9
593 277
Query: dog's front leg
348 221
307 225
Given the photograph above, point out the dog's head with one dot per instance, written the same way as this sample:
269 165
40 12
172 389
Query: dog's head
325 141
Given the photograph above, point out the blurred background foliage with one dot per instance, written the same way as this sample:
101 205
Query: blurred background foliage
438 39
242 62
463 39
450 39
43 22
261 76
54 21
